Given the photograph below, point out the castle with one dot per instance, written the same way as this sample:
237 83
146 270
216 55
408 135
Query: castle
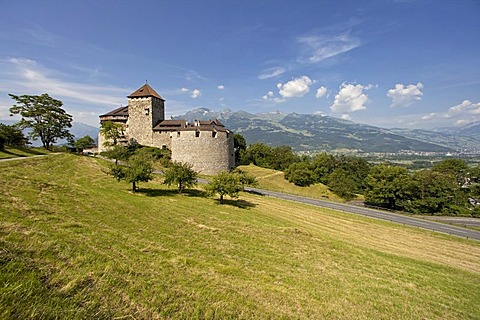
206 145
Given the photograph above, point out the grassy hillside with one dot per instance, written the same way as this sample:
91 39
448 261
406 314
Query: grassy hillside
15 152
76 244
275 180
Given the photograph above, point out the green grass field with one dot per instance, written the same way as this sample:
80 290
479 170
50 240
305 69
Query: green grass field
15 152
74 243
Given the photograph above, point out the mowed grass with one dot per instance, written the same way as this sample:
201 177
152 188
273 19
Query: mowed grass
15 152
275 180
74 243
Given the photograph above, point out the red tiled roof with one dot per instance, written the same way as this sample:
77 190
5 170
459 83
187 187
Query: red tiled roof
145 91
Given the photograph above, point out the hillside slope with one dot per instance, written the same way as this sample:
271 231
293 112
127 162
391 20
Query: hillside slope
77 244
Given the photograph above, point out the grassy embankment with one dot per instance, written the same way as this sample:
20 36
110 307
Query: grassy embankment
74 243
15 152
275 180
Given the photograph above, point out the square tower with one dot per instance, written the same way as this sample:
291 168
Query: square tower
146 108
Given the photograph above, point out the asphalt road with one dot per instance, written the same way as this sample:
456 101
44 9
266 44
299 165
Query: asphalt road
377 214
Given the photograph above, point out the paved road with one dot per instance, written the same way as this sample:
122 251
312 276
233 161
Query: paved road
383 215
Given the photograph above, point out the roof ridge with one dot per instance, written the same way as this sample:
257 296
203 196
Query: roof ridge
145 91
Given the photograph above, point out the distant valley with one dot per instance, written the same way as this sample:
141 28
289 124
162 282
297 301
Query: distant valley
311 133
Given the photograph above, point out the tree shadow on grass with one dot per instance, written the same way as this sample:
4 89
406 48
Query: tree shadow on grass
170 192
157 192
242 204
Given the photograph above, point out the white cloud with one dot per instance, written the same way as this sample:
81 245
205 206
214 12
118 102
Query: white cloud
464 108
321 92
195 93
346 116
297 87
429 116
268 95
463 113
271 73
318 48
350 98
26 76
221 87
404 96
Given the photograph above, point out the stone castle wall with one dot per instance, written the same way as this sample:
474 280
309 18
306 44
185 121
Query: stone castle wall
162 139
208 155
143 114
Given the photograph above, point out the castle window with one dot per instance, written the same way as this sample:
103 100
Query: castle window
197 134
164 146
178 134
147 111
214 134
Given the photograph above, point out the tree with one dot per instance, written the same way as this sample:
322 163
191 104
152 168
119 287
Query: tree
278 158
180 174
137 168
432 192
12 135
342 183
388 186
112 132
246 179
117 153
300 174
84 143
357 169
225 183
45 116
239 145
323 164
450 166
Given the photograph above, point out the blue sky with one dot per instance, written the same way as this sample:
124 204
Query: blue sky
412 64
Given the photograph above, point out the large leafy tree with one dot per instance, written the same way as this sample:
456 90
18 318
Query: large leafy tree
240 145
300 174
388 186
45 117
341 182
432 192
181 175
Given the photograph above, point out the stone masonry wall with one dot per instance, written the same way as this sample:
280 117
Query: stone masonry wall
207 154
143 114
162 138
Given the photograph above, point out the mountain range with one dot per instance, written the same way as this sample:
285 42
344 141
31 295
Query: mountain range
314 133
